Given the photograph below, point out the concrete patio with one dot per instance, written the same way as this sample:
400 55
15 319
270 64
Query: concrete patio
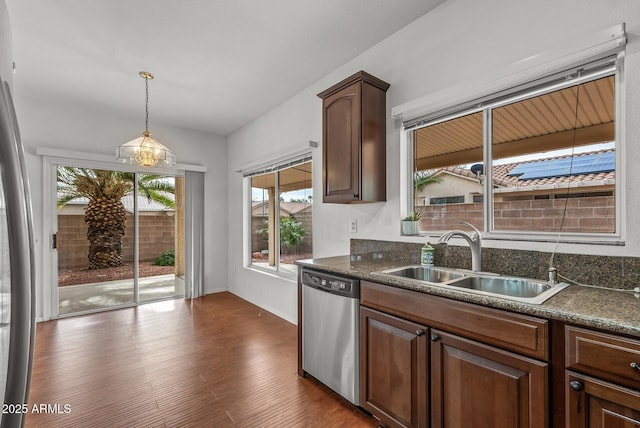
103 295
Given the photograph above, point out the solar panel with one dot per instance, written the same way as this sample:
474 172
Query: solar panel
562 167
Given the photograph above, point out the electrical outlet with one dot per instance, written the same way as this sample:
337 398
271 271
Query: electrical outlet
353 225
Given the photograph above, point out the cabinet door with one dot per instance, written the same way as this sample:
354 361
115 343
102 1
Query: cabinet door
341 145
393 372
476 386
594 403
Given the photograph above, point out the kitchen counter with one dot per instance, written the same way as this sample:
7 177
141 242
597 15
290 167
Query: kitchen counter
601 308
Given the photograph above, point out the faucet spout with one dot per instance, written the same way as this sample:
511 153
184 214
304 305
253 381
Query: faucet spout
474 241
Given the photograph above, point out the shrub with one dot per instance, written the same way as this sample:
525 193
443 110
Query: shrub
168 258
291 232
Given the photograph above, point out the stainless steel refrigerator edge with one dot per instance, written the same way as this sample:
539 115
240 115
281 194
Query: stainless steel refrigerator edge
18 297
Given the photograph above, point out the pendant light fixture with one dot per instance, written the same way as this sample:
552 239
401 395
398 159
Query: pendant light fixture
146 150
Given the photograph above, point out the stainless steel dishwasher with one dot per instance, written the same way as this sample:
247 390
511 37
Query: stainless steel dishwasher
330 331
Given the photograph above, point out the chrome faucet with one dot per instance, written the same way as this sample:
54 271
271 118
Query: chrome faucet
474 240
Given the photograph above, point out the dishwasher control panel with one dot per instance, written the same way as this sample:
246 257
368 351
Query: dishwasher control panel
348 287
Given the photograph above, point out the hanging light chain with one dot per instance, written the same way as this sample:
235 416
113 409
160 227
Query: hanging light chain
146 151
146 76
146 105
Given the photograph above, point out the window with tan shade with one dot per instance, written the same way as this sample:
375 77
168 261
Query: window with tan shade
444 186
539 159
281 215
554 163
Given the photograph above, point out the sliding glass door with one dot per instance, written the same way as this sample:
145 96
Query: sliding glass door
118 238
160 238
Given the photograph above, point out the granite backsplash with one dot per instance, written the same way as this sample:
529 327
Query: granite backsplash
602 271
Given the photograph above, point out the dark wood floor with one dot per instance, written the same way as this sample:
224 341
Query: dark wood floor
217 362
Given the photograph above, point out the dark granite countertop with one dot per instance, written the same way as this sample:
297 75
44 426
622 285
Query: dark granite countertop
602 308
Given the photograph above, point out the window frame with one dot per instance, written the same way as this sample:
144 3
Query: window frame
274 166
446 200
608 65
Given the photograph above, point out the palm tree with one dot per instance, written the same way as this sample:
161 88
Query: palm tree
421 179
105 214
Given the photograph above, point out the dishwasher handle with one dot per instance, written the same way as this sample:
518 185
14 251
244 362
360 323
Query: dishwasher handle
347 287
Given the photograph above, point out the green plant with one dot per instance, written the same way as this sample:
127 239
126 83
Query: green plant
414 216
167 258
291 232
421 179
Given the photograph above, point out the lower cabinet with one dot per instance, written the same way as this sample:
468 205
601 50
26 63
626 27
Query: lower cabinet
602 382
426 361
394 364
476 385
466 384
593 403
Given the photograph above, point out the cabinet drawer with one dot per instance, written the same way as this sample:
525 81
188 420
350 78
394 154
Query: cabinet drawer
518 333
606 356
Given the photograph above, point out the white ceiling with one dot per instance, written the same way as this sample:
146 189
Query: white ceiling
218 63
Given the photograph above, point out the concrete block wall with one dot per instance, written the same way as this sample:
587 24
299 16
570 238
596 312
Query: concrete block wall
588 214
157 234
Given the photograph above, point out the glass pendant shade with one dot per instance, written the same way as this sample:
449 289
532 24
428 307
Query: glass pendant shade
145 151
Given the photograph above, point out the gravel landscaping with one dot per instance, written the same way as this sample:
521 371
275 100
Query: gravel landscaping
84 276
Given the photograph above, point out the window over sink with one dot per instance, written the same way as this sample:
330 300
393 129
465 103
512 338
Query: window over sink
281 207
538 161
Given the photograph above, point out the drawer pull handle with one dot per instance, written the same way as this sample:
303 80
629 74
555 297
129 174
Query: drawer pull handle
576 385
419 332
635 366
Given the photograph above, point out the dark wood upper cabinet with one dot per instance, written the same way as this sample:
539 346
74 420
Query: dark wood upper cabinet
354 140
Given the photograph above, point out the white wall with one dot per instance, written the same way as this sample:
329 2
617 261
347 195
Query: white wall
446 47
6 55
66 125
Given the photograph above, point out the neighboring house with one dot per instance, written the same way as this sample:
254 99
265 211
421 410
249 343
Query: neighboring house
287 209
528 195
456 186
593 174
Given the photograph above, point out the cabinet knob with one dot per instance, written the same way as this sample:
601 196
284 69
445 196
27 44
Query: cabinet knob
435 337
419 332
635 366
576 385
356 195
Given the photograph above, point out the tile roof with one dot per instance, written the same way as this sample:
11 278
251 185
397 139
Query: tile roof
502 177
289 207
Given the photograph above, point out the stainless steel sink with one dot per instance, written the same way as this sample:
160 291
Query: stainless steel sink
425 273
511 288
520 289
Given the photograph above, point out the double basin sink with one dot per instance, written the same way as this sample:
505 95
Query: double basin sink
511 288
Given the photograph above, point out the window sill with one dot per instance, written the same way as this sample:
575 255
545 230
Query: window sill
287 276
593 239
587 239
